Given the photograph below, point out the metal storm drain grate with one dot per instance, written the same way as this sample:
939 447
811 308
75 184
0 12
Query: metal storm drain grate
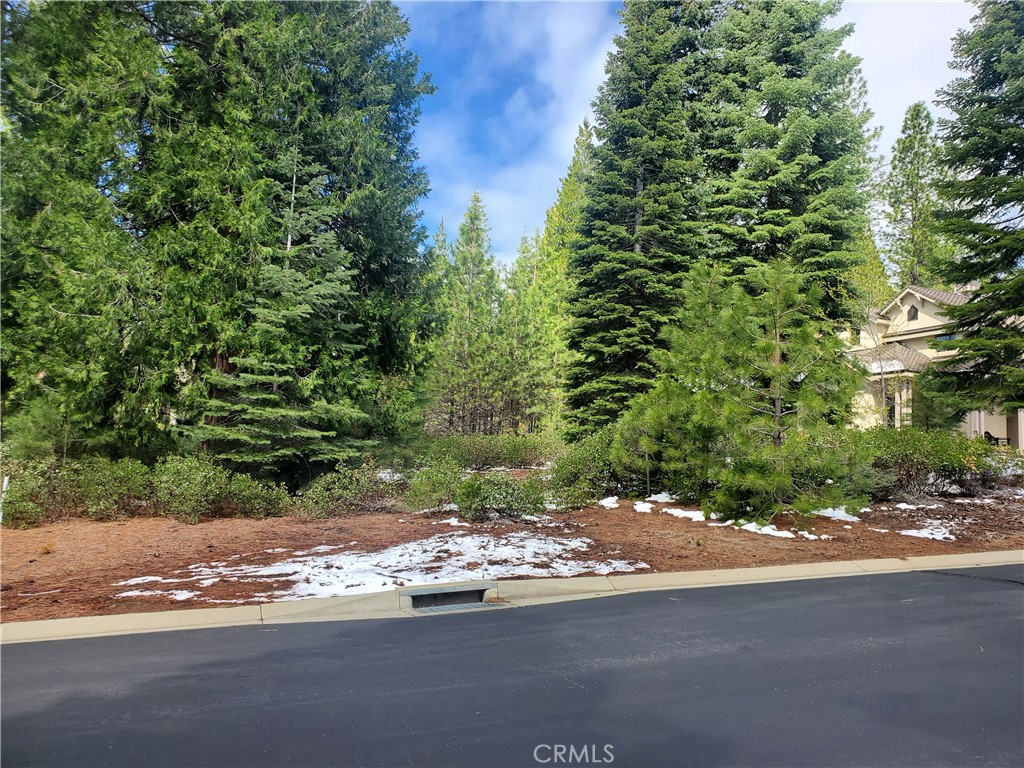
455 598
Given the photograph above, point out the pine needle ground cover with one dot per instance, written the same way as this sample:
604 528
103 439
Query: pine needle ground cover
80 567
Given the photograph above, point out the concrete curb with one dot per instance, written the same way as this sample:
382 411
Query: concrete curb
393 605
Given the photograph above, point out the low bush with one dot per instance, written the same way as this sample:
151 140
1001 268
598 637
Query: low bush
105 489
28 491
490 451
584 472
365 488
918 463
251 498
188 487
483 496
435 484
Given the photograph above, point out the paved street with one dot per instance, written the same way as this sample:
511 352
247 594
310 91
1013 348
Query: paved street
900 669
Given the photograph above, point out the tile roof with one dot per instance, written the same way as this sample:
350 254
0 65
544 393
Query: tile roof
892 358
932 294
940 297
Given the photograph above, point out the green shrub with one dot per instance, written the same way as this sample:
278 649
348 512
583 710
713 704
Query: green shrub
919 462
482 496
105 489
435 484
490 451
251 498
28 498
585 472
349 489
188 487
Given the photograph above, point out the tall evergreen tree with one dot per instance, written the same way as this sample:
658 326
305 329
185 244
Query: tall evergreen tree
465 368
787 143
79 82
911 198
983 214
640 228
253 165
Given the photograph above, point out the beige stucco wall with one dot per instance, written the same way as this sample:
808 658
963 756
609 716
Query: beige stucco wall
866 413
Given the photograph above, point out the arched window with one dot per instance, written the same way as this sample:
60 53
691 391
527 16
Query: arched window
912 313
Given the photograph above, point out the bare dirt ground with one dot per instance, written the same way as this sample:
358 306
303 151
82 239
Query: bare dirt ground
71 568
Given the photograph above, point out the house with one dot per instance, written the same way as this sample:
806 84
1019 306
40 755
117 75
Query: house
894 345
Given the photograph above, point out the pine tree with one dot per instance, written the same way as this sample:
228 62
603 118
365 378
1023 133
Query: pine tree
788 145
465 368
913 245
640 229
983 213
527 344
752 365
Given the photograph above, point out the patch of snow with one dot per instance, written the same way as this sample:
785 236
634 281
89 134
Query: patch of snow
390 476
643 506
612 502
550 506
719 525
986 500
807 535
901 505
689 514
664 498
441 558
836 513
768 530
848 527
275 550
933 530
453 521
318 550
139 580
879 530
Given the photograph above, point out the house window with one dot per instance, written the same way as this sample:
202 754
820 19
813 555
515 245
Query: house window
912 313
946 337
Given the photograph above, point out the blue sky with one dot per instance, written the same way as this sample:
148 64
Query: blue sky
516 79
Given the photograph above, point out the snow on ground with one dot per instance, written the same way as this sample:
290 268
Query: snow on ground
768 530
836 513
696 515
933 529
612 502
390 476
664 498
453 521
986 500
441 558
643 506
901 505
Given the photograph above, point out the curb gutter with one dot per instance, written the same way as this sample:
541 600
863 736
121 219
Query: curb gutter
393 604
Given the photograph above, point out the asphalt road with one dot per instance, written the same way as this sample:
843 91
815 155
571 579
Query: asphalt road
914 669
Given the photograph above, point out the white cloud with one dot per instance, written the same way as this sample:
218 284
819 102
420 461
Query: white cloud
905 47
523 147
